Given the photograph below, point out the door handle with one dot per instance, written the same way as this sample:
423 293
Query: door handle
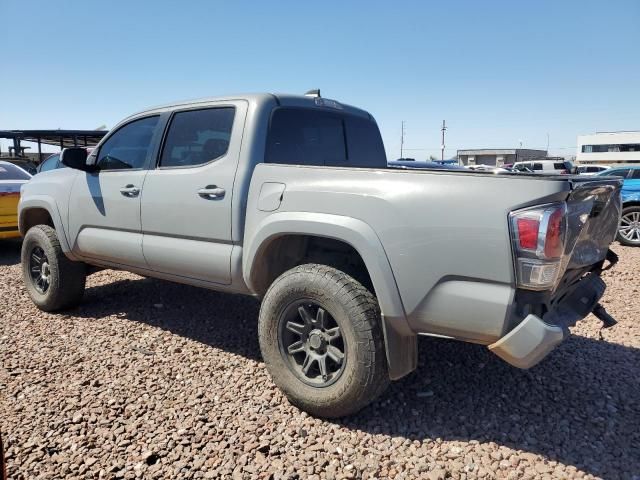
130 191
211 192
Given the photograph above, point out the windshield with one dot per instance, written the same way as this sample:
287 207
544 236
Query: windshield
11 172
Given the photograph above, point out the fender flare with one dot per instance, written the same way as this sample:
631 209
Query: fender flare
400 340
46 203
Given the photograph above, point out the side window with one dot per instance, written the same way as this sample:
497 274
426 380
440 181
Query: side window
128 146
537 166
635 173
50 163
198 136
559 166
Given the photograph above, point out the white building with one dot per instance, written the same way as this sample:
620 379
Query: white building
609 148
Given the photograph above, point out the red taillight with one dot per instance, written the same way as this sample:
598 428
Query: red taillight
554 242
539 235
528 232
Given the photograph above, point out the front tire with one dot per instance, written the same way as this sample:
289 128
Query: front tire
629 230
53 281
321 340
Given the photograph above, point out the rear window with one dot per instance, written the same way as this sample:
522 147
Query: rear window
299 136
11 172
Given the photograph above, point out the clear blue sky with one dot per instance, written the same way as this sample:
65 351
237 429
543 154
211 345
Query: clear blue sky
499 72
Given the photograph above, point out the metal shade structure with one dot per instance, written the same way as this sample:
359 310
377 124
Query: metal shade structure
58 138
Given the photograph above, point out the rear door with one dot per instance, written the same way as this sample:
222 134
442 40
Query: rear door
104 213
186 206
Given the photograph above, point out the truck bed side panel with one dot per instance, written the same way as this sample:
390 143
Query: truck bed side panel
444 229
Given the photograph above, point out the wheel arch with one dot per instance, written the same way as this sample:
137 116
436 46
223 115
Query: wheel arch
42 210
275 244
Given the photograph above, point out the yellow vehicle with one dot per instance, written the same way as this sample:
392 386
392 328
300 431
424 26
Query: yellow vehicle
11 179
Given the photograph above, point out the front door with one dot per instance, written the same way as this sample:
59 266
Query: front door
104 219
186 206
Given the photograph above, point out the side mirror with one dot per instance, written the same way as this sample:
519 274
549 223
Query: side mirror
76 157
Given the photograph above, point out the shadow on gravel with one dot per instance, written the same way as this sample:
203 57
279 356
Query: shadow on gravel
580 406
10 252
224 321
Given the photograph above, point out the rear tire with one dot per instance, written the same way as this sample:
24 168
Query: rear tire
338 340
629 230
53 281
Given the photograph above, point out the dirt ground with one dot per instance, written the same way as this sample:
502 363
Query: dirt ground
148 379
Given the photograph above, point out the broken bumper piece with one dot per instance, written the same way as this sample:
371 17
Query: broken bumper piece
534 338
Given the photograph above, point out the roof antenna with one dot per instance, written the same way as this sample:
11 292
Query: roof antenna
313 93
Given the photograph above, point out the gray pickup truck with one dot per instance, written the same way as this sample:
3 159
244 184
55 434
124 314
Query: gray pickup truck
289 199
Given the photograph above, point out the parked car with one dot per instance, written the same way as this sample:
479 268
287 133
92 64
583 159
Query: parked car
553 167
629 230
417 164
290 199
490 169
590 169
53 162
21 162
12 178
50 163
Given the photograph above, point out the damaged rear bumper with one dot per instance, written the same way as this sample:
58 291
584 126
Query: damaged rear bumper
534 338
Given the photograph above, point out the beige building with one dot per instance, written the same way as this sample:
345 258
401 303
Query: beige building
498 156
609 148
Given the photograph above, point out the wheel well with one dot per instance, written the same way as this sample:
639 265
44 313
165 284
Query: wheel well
289 251
631 204
33 217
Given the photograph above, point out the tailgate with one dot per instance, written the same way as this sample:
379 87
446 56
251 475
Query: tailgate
593 208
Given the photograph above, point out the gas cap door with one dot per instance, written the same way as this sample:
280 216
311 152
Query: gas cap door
270 196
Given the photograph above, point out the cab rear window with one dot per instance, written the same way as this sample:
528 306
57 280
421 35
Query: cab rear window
302 136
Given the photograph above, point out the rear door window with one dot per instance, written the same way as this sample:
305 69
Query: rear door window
300 136
537 166
635 173
197 137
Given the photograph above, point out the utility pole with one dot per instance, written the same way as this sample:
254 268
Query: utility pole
402 141
442 146
547 143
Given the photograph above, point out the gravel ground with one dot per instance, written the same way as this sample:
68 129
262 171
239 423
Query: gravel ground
149 379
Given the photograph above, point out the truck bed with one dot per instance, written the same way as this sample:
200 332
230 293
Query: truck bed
445 233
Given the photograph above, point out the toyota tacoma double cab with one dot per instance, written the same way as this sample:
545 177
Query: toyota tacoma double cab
289 199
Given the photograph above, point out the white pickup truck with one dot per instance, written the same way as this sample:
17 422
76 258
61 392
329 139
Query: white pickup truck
289 199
